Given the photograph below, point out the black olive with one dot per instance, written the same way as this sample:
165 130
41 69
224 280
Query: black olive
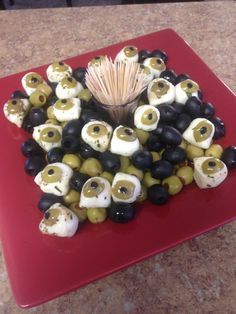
73 127
79 74
77 180
55 155
86 151
37 116
200 94
52 101
30 148
159 54
167 114
17 94
170 136
144 96
179 108
52 85
70 144
158 130
229 157
169 75
154 144
181 78
121 212
182 122
158 194
175 155
27 125
142 159
142 55
193 107
47 200
219 127
88 115
161 169
110 162
208 110
34 164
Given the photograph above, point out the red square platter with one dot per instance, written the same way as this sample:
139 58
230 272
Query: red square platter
42 267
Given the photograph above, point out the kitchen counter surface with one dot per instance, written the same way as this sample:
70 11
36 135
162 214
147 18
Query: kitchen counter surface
198 276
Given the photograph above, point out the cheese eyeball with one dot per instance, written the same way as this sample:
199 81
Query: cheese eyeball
96 61
146 117
124 141
156 65
97 134
67 109
186 89
127 54
125 188
57 71
48 135
68 87
54 179
15 110
200 133
96 192
209 172
59 221
148 75
160 91
30 81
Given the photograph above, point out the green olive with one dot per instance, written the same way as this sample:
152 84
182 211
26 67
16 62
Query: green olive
46 89
50 113
149 181
59 66
38 99
194 151
92 167
123 189
189 86
130 51
124 163
160 88
96 215
143 196
96 130
144 69
149 117
141 102
68 82
64 123
202 131
97 60
155 156
71 197
85 94
81 213
51 174
15 106
173 184
185 174
51 216
212 166
157 64
33 80
93 187
183 144
63 104
107 175
52 121
142 135
50 135
135 171
126 134
72 161
215 150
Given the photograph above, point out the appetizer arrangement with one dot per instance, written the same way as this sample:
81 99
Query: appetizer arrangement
113 134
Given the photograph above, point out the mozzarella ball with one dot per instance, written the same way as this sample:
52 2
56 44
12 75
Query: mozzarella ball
15 110
48 135
57 71
54 179
68 87
146 117
127 54
97 134
96 192
185 90
67 109
200 133
209 172
59 221
30 81
156 65
125 188
160 91
124 141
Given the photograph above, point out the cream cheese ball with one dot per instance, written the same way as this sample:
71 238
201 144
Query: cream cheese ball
146 117
200 133
48 135
148 75
209 172
125 188
68 87
54 179
96 193
127 54
59 221
67 109
97 134
185 90
160 91
156 65
30 82
124 141
15 110
57 71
